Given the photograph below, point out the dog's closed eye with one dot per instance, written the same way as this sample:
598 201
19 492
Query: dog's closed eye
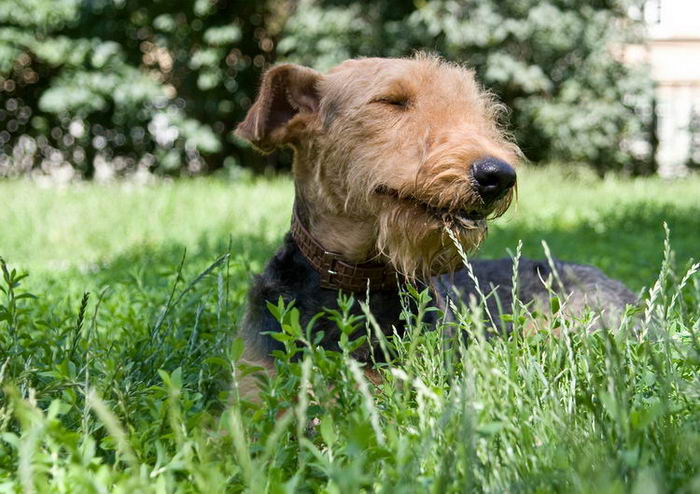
397 101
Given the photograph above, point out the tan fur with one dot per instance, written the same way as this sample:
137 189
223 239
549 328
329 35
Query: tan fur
351 143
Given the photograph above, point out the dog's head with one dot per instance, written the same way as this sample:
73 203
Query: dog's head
390 154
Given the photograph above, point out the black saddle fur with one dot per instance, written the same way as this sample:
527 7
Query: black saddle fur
290 276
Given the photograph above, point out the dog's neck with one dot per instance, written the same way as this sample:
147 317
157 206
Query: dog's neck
336 271
351 237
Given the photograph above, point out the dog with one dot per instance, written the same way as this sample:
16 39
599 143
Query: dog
399 165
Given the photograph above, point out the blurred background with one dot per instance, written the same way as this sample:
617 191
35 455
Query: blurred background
102 89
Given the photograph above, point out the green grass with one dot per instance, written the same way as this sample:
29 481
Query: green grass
116 377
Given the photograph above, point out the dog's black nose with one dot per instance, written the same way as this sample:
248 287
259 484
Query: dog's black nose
493 178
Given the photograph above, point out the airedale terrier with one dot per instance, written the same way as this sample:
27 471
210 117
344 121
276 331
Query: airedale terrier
396 163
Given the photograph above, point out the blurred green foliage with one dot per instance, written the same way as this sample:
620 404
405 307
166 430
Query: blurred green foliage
137 84
552 63
114 86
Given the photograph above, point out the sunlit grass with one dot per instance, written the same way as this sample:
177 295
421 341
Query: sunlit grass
127 388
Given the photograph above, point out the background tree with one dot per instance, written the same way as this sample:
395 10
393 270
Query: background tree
120 85
555 64
694 124
157 85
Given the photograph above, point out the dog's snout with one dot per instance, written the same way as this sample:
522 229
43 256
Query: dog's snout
493 178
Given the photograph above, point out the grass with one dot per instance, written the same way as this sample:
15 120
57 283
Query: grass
115 372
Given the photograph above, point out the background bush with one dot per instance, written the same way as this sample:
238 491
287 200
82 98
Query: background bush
157 85
119 86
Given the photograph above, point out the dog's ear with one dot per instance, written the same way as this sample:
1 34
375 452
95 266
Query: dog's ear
287 103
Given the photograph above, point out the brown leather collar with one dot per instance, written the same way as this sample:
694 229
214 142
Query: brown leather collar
337 273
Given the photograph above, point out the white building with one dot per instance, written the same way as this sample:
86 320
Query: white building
673 53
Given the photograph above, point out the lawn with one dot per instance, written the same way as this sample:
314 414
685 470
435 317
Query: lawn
115 376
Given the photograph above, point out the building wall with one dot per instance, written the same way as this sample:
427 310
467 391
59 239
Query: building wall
673 53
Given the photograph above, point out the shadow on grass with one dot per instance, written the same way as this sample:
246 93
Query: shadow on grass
249 251
158 308
137 320
626 243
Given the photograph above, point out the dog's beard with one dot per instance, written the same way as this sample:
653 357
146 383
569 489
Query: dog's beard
419 245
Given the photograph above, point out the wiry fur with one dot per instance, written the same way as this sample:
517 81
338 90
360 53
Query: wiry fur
383 156
422 150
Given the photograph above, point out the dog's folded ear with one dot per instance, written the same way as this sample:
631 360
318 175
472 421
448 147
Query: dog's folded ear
287 103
